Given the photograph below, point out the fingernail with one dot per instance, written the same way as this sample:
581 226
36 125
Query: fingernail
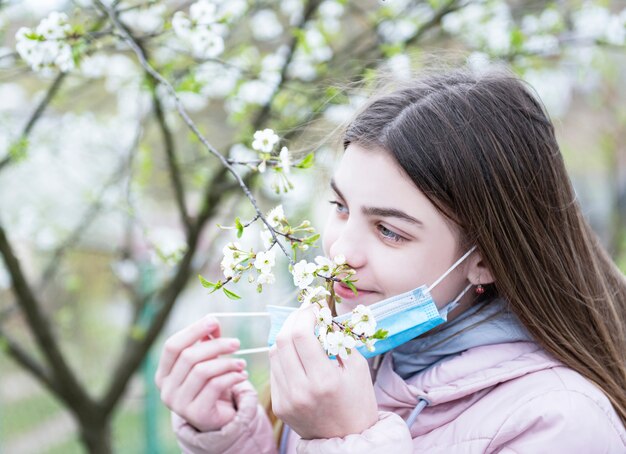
241 363
234 343
244 373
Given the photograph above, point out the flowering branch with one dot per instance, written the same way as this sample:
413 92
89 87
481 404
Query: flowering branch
183 113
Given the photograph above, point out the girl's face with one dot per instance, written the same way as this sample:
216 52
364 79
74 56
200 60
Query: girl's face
389 232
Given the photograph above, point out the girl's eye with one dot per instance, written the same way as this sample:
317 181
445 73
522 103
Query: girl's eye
340 208
389 234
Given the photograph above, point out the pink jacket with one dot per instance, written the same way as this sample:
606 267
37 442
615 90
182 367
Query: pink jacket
506 398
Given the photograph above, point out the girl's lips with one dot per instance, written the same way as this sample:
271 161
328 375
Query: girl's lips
345 292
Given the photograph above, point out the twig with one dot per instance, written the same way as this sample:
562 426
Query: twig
174 170
65 382
52 91
87 219
309 10
28 362
183 113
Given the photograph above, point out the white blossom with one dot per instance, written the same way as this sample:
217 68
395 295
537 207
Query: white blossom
265 25
591 21
206 44
338 344
303 273
400 66
324 263
541 44
181 24
46 48
276 216
314 295
265 261
362 321
233 255
251 92
266 238
265 140
54 27
616 30
266 278
232 250
218 80
322 314
203 12
339 259
201 30
285 160
146 20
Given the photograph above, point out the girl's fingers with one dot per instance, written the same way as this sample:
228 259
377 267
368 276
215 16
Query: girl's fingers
217 386
207 326
278 384
200 376
287 356
315 362
198 353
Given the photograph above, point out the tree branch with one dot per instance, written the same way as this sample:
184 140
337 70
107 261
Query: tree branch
28 362
136 349
52 91
53 265
128 38
174 170
310 9
65 382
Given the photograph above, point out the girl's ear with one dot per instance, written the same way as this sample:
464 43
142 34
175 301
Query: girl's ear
477 270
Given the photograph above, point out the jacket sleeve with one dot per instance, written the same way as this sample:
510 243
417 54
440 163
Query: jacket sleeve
573 422
249 432
389 434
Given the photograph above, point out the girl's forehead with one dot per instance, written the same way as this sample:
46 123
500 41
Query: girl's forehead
373 178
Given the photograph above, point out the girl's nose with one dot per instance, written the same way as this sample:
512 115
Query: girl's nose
352 246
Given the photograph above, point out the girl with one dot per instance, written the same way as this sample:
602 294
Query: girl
532 359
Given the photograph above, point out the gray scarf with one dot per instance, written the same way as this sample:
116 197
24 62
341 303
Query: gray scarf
486 323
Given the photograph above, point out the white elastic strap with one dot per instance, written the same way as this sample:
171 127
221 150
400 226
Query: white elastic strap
239 314
245 351
455 303
443 276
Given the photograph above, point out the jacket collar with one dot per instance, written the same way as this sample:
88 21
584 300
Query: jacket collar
464 378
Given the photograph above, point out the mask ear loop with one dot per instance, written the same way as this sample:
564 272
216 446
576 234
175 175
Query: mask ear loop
252 314
446 310
444 275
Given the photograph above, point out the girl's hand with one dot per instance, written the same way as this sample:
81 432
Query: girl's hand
194 382
316 396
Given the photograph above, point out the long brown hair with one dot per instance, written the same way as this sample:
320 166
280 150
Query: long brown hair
483 150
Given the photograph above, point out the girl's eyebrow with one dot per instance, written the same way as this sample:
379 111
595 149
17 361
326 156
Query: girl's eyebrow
376 211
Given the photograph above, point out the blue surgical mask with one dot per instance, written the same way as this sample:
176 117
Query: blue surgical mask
403 316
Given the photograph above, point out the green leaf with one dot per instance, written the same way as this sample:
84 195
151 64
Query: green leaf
380 334
307 162
351 286
312 239
18 149
205 283
231 295
239 227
